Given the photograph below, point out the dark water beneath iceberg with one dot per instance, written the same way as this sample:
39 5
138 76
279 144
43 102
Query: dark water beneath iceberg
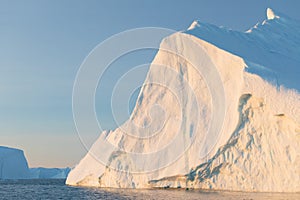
56 189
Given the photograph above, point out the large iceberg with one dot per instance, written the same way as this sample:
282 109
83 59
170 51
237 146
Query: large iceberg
258 148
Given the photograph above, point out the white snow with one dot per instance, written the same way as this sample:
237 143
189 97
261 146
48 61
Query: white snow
259 145
194 25
271 14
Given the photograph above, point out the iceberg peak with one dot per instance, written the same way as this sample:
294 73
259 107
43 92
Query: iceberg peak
194 25
271 14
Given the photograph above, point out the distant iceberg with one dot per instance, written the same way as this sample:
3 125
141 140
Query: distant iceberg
13 165
49 173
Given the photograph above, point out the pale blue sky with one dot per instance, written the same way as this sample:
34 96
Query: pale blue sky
43 43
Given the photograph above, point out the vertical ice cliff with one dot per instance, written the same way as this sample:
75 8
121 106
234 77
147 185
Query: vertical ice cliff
177 131
262 154
166 142
13 164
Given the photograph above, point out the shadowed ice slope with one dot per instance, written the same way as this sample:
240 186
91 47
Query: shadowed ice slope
270 49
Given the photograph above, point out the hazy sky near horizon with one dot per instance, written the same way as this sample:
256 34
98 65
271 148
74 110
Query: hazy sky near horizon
43 43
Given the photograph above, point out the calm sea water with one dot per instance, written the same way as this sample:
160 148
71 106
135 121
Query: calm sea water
56 189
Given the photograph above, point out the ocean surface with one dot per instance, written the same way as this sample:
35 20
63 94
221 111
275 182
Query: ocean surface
56 189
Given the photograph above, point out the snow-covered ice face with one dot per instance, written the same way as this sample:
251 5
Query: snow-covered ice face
166 101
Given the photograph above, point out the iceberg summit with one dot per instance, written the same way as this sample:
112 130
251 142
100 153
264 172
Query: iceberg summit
252 145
